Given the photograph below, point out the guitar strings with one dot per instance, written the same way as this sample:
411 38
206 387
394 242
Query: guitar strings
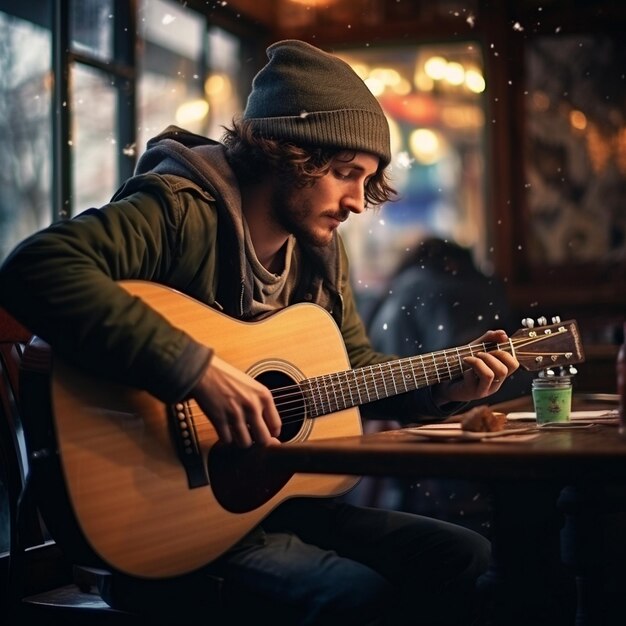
386 372
293 398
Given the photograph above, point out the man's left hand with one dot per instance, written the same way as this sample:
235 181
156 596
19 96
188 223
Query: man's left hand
485 374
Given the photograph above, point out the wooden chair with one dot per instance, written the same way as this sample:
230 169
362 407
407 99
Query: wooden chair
38 582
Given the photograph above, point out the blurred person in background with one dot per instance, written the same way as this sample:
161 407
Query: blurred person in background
438 299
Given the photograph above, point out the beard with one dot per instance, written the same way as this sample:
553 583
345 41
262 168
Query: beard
295 214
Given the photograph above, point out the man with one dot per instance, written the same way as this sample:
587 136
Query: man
249 226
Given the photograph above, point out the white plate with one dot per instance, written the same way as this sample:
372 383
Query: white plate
456 434
566 425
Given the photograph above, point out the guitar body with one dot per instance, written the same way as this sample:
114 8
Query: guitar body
130 493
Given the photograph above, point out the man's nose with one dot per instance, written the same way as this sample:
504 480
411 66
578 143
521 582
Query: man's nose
355 200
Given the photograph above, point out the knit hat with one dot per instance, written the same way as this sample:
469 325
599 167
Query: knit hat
311 97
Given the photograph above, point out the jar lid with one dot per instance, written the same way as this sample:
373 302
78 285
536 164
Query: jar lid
552 381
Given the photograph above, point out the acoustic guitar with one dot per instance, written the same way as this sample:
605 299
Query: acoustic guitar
152 490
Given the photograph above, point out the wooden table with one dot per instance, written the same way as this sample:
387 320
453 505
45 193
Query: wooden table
549 494
593 453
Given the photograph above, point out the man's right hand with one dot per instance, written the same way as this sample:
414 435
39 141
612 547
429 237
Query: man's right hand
241 409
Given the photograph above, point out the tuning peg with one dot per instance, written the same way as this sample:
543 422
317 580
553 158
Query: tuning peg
546 373
542 321
528 322
570 370
556 319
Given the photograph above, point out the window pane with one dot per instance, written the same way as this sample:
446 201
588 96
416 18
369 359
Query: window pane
94 147
221 85
25 101
433 98
170 69
91 24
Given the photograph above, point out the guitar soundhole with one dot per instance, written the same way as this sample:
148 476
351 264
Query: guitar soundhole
289 402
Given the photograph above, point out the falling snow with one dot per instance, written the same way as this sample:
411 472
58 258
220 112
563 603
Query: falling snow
404 161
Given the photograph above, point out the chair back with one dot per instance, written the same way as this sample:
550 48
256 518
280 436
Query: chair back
22 527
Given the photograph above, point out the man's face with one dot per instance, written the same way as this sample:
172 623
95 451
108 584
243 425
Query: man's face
313 213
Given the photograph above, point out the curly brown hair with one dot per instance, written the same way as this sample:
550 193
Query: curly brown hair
253 157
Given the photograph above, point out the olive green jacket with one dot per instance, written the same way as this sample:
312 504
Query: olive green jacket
177 222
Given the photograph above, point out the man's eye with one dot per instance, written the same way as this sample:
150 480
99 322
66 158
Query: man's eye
342 175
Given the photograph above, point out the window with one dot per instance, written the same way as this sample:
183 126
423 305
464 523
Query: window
188 74
77 107
101 69
25 108
224 58
93 140
91 24
170 69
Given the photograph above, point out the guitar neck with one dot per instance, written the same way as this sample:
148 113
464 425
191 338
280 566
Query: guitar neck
342 390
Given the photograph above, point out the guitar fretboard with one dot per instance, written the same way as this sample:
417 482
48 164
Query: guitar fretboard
341 390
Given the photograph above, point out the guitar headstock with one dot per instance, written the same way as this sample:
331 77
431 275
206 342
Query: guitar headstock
541 345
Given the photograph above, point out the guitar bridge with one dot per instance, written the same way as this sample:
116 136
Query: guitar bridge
185 439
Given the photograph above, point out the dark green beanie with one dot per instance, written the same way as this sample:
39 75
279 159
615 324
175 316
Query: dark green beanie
311 97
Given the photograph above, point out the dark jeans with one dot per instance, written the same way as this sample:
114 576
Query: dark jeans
320 562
